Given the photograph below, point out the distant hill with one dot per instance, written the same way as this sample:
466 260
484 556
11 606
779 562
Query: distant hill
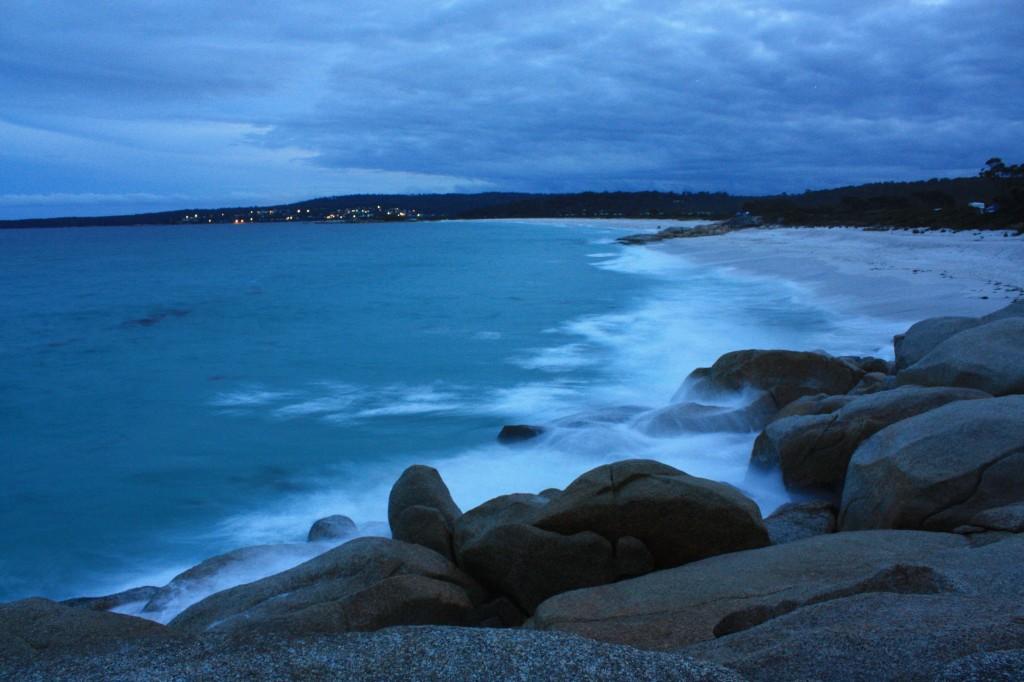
930 203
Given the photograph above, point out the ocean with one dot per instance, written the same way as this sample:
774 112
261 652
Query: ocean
171 393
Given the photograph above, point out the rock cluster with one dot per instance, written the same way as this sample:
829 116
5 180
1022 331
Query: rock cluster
900 560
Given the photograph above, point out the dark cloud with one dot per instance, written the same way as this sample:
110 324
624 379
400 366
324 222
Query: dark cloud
217 99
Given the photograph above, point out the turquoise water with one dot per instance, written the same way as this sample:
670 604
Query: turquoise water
167 394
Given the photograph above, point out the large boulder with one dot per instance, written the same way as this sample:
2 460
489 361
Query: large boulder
896 634
989 357
679 518
679 418
680 606
785 374
925 335
529 564
938 470
34 627
408 653
813 451
419 490
365 584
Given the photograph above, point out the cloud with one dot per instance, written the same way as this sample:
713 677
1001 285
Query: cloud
545 96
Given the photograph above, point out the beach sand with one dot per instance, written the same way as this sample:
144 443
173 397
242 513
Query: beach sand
895 274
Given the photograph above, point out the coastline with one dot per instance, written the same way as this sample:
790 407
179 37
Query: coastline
901 275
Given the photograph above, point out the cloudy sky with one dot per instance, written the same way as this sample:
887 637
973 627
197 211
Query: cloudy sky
126 105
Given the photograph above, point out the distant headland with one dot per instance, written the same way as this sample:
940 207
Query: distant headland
992 200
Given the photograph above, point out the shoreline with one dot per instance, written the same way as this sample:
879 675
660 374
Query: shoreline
912 275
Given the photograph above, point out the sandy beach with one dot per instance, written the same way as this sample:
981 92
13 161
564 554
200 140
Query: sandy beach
897 274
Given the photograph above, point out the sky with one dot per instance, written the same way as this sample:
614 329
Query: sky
120 106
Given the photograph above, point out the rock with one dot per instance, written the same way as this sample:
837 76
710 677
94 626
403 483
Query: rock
529 564
421 486
940 469
35 627
632 558
868 364
785 374
367 583
517 433
800 520
217 573
925 335
112 601
697 418
501 511
673 608
498 613
425 526
336 527
1009 518
873 382
814 404
915 635
440 654
813 451
988 666
989 357
679 518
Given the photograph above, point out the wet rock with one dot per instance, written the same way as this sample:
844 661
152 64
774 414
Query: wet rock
518 433
216 573
112 601
697 418
786 375
336 527
365 584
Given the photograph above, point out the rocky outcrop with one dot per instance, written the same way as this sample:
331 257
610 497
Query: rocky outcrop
336 527
421 510
895 634
112 601
518 433
365 584
786 375
940 469
674 608
34 627
216 573
679 518
926 335
988 357
800 520
813 451
441 654
501 511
